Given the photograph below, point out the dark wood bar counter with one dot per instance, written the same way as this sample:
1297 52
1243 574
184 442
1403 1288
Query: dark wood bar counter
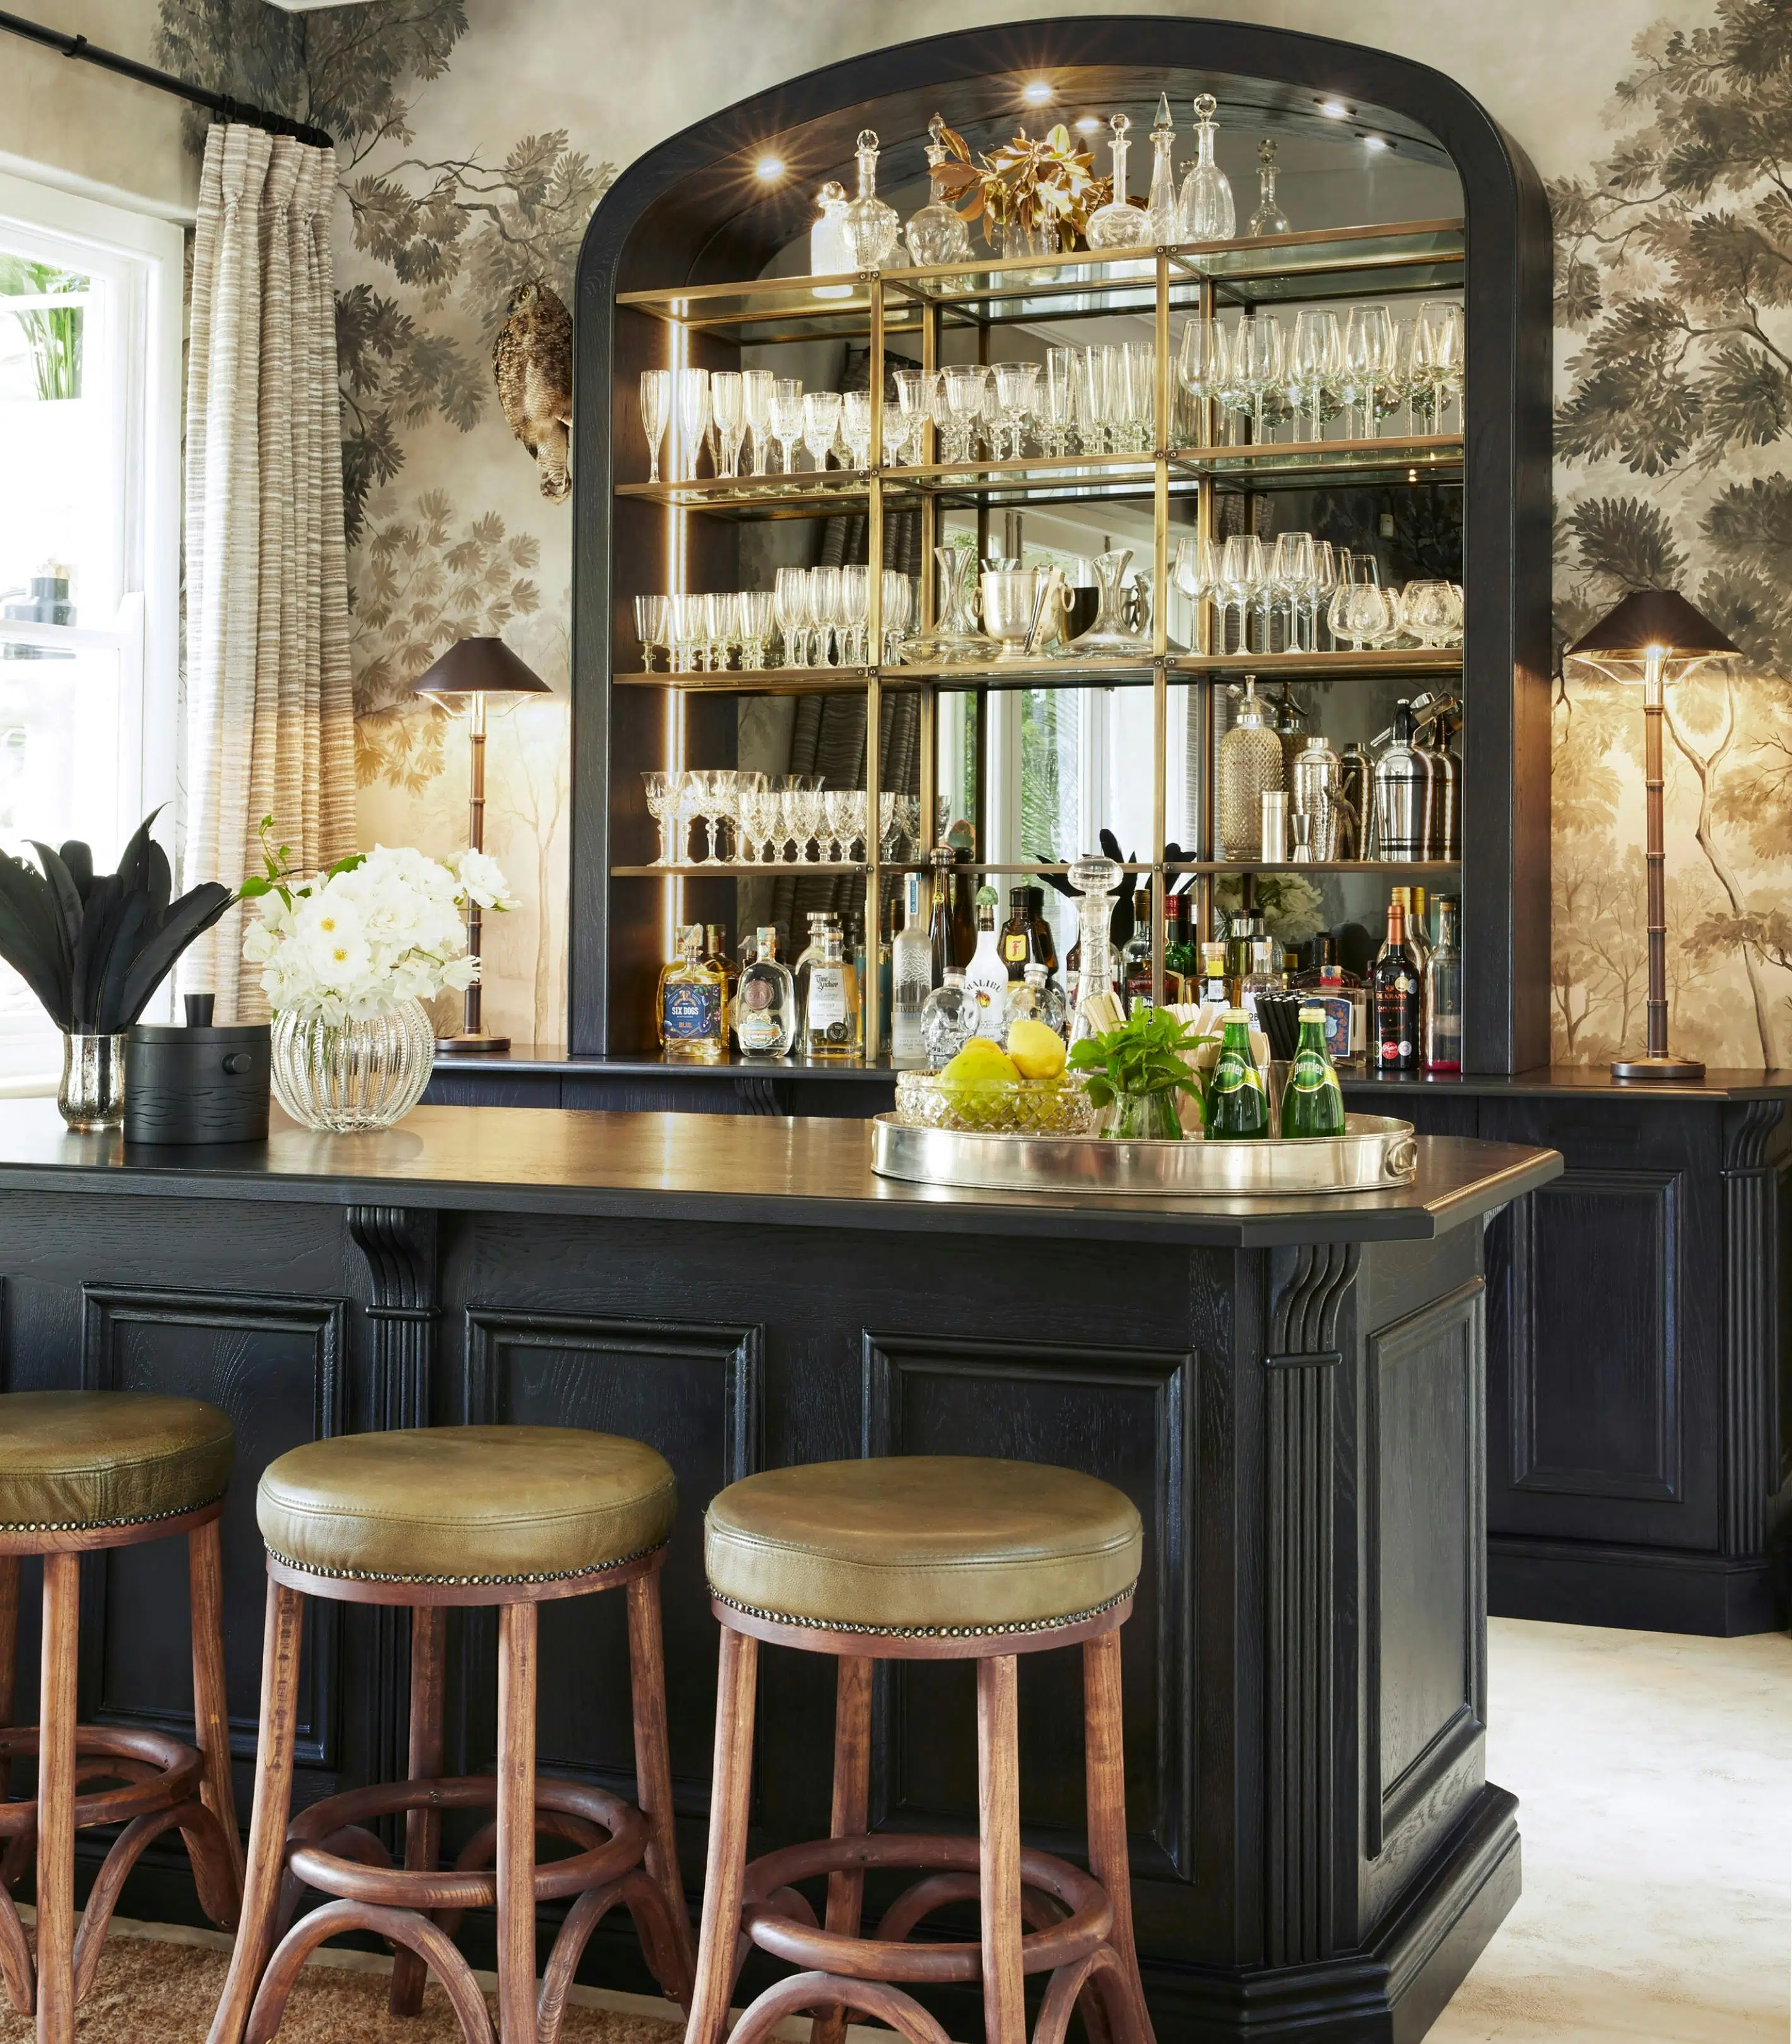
1291 1392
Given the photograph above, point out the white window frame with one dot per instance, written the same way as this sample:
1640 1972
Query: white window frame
142 257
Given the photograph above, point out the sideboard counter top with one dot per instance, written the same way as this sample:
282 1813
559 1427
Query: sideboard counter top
751 1169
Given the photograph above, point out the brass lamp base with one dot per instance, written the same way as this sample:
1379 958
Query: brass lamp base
481 1041
1657 1068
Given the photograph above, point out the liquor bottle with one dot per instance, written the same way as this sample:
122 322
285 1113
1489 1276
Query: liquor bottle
767 1004
1339 993
1214 985
1236 1105
690 1005
1238 954
1418 925
1443 993
1181 964
1044 941
1399 998
946 1022
854 955
819 919
1264 977
828 255
1018 933
964 906
1313 1104
911 978
1135 960
715 956
986 977
831 1019
1039 998
940 922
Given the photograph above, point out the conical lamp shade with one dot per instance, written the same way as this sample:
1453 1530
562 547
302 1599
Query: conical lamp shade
1653 617
480 667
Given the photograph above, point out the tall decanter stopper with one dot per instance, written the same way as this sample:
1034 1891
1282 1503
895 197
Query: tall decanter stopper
1208 214
829 255
1095 877
1117 224
1269 218
1163 209
936 234
871 227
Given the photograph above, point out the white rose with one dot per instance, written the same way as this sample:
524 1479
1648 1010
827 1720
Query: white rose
482 880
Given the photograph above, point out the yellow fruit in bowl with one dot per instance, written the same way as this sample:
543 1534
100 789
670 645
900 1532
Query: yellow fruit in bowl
1038 1052
978 1063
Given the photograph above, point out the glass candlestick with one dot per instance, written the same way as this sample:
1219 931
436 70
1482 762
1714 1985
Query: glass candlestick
1269 218
1117 224
870 226
1207 211
1163 210
936 234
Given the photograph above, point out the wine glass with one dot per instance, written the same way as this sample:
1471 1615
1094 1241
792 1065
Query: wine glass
650 627
1358 610
1315 358
824 603
790 600
1201 370
1437 358
855 605
1262 347
1241 574
694 416
1195 571
785 416
656 411
855 427
1425 612
964 407
755 410
821 423
1368 340
757 620
664 794
1291 580
727 409
1325 582
1394 378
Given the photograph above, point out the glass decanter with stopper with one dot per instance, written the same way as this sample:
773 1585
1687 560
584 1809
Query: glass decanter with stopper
936 234
1206 210
869 225
1313 1104
1269 218
828 252
1119 224
1164 207
1236 1107
1097 1008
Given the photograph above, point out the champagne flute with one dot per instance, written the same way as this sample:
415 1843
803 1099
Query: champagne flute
727 407
755 409
785 417
824 613
656 411
791 599
1057 400
756 622
693 417
855 608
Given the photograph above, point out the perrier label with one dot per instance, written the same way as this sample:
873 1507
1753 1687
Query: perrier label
1313 1104
1236 1105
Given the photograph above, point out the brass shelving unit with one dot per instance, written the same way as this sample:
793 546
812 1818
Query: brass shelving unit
1188 460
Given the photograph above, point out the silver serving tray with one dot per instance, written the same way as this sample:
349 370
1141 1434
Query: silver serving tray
1375 1153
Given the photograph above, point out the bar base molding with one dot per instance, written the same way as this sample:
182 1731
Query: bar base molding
1643 1589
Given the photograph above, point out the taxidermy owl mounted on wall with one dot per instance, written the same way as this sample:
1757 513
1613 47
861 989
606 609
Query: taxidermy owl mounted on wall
531 364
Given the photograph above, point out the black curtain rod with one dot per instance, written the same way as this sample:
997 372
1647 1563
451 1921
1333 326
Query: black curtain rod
162 81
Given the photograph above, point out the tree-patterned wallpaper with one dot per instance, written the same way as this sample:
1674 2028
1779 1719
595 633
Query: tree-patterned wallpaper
471 163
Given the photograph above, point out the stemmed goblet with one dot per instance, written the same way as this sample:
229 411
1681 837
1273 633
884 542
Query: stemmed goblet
821 425
785 416
855 427
665 799
650 628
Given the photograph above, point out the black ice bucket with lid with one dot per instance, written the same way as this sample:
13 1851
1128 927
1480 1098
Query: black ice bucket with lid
199 1084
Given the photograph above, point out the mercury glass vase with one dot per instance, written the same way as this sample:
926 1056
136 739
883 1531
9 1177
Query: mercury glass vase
351 1076
91 1095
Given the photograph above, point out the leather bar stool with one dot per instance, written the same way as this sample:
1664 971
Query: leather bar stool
922 1558
431 1517
81 1471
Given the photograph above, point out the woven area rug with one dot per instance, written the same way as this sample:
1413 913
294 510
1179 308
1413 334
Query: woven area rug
150 1991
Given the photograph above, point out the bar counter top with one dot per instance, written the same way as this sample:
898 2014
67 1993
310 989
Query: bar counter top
766 1170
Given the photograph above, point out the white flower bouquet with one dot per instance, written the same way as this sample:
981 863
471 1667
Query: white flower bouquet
378 929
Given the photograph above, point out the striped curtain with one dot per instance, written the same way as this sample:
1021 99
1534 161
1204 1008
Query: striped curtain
269 702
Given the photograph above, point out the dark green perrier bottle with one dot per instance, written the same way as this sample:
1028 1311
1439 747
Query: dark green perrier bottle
1313 1104
1236 1105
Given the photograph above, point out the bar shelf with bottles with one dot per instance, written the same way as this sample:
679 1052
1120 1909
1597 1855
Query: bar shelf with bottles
1175 449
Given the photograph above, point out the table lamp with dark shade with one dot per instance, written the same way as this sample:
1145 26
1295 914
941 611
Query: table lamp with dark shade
1653 636
459 681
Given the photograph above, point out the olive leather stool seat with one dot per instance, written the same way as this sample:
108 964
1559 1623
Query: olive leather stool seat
430 1518
82 1471
922 1558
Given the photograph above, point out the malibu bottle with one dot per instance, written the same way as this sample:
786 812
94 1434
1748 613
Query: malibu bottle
1313 1104
1236 1105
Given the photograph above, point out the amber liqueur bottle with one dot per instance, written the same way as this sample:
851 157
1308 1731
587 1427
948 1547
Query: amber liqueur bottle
1398 984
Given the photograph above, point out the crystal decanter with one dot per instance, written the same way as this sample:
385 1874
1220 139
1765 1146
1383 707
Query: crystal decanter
1163 209
1207 211
1117 224
936 234
1096 1008
1269 218
829 255
870 226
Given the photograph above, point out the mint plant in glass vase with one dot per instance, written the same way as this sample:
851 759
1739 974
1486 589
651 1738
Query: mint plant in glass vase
1142 1071
349 958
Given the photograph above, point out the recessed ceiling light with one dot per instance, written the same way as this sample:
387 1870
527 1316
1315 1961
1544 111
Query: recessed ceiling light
769 169
1089 124
1037 92
1376 142
1334 109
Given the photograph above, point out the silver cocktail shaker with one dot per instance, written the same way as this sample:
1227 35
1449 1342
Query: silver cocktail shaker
1317 780
1402 793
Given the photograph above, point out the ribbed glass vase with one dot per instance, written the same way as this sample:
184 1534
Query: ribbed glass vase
345 1077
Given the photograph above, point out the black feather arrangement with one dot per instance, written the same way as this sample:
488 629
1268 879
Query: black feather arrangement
94 947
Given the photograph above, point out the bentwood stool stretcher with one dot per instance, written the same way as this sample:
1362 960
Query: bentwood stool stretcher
510 1517
922 1558
80 1471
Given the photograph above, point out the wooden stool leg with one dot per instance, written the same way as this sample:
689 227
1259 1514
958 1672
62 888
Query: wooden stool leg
653 1770
998 1831
518 1626
211 1713
423 1828
731 1784
267 1824
8 1652
1103 1760
56 1801
851 1812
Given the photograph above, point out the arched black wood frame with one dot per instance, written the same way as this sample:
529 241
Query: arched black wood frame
691 211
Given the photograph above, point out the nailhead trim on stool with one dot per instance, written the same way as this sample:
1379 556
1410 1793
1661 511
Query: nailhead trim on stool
456 1582
108 1525
926 1631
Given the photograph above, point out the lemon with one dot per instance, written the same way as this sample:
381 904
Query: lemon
978 1047
1037 1051
980 1064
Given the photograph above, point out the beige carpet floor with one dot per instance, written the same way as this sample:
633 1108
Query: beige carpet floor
1655 1777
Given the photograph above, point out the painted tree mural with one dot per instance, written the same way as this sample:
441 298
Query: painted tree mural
1674 269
